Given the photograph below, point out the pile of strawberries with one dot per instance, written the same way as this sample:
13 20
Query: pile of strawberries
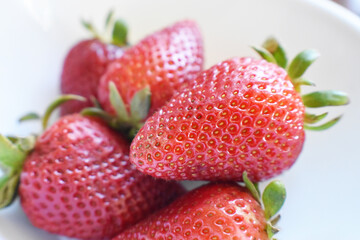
137 118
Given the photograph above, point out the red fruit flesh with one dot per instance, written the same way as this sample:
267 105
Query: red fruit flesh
83 67
164 61
215 212
78 182
240 115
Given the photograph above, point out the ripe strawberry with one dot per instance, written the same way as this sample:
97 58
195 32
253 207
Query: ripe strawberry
84 65
242 114
215 211
78 181
163 61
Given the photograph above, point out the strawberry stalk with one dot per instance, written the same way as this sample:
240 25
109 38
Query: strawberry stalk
115 32
126 121
272 199
14 150
55 104
273 52
12 155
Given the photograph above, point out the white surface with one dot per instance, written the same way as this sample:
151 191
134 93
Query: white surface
323 190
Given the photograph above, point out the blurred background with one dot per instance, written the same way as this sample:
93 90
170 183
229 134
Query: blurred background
353 5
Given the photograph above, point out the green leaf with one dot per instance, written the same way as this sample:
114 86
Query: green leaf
11 156
62 99
302 81
274 47
98 112
313 118
8 189
271 230
273 198
118 103
119 34
301 62
325 98
11 161
275 220
87 25
251 187
12 139
324 126
140 104
30 116
265 54
95 112
95 102
109 18
27 144
90 28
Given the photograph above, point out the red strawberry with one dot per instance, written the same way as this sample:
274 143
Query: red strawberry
84 65
222 211
164 61
240 115
78 181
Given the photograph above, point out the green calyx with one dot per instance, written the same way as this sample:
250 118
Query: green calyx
124 121
14 150
272 199
273 52
116 31
54 105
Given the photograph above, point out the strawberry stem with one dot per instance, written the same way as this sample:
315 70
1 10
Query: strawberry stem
109 19
128 123
324 126
265 54
89 26
272 199
324 99
118 103
29 116
274 47
117 29
296 69
251 187
313 118
12 155
62 99
119 33
301 63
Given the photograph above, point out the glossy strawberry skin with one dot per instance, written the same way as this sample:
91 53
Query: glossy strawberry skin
164 61
78 182
241 114
82 69
223 211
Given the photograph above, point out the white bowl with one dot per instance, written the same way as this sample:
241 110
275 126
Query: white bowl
323 190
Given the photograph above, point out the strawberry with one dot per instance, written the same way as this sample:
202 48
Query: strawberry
163 62
86 62
242 114
78 181
215 211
